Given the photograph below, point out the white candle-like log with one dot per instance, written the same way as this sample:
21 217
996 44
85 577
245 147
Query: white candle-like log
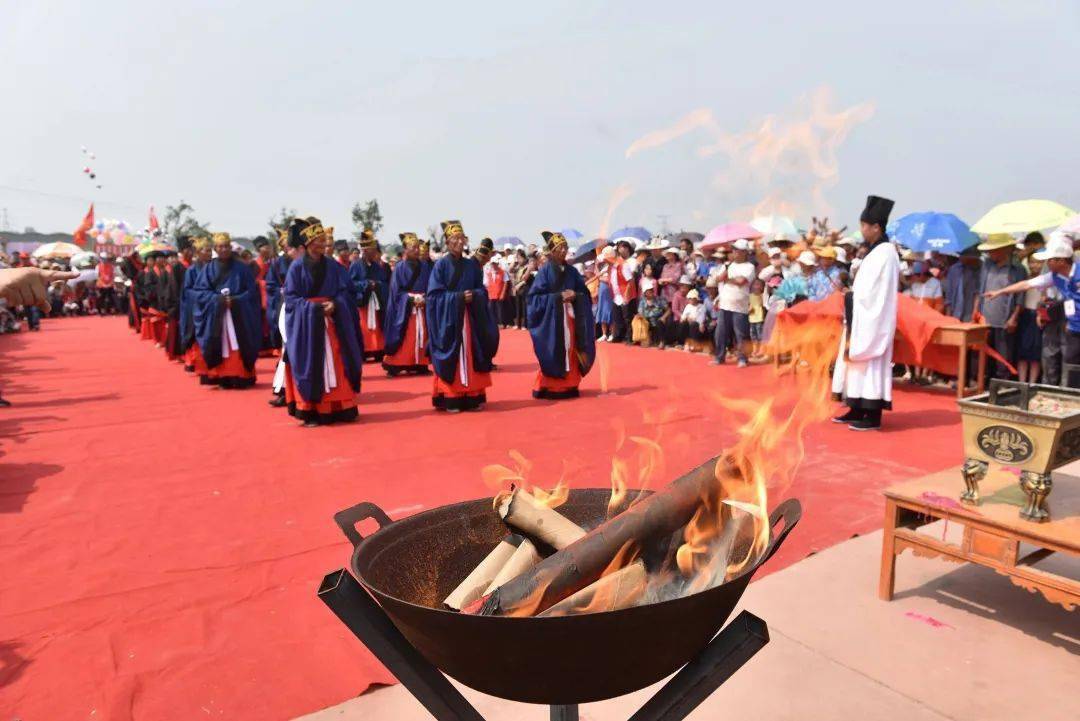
523 558
620 589
525 513
474 585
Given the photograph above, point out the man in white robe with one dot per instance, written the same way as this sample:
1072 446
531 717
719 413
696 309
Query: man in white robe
862 378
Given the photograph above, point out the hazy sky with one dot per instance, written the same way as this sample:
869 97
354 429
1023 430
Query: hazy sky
516 117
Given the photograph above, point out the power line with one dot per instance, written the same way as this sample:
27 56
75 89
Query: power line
116 203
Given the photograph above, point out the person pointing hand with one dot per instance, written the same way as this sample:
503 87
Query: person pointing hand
27 286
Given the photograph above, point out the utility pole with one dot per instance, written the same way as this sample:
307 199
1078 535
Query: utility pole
4 219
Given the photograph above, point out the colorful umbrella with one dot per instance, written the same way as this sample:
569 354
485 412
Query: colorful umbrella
941 232
511 240
587 251
728 233
1023 216
771 225
572 234
694 238
56 250
636 232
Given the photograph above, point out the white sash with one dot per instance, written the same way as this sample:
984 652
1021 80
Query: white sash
419 335
228 334
329 376
372 309
568 316
279 371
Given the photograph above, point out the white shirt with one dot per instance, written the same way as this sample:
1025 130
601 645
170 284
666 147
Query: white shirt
736 298
931 288
694 313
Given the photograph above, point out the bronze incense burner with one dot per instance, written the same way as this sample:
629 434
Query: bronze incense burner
1032 427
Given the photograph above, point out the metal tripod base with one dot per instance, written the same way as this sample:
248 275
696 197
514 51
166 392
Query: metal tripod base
726 653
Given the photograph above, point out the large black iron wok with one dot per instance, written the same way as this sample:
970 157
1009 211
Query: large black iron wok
410 565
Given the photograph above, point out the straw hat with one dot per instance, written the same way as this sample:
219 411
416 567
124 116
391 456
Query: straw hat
996 241
826 252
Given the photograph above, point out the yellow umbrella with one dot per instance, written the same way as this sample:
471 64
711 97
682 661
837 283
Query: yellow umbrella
1023 216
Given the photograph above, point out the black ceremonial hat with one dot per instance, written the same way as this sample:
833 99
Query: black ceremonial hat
877 211
340 245
260 241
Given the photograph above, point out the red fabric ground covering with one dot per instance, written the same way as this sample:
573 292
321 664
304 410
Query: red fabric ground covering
915 326
163 541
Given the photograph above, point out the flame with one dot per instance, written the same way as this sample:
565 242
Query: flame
789 160
766 454
504 479
620 194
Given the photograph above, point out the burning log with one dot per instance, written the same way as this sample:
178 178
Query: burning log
475 584
620 589
584 561
522 511
523 558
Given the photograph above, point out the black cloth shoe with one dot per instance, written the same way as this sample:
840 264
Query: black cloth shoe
278 401
853 415
866 424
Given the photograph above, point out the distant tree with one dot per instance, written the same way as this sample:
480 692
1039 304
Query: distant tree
29 229
180 220
281 221
367 216
434 234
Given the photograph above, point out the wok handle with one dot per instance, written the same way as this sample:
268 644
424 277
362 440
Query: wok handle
790 511
350 517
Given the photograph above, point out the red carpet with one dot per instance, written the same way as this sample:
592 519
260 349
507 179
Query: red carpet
163 541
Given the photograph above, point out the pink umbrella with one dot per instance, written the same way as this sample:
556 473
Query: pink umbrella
728 233
1071 226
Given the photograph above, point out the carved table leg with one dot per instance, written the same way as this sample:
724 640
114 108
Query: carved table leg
1036 487
973 472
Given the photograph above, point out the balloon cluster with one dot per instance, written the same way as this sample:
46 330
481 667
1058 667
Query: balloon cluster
113 231
87 170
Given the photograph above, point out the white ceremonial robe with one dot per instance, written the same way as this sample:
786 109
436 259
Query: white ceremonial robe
864 378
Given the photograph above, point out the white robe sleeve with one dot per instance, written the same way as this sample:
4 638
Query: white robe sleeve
873 321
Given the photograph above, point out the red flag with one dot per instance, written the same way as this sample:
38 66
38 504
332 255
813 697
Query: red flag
153 219
85 225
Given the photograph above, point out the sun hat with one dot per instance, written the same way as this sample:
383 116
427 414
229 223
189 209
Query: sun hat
841 255
773 252
647 284
712 282
658 242
671 249
685 280
826 252
995 241
607 252
807 257
693 295
780 238
741 244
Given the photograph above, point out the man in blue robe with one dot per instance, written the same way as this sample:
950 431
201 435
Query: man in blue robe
560 319
463 334
322 335
405 326
371 280
228 317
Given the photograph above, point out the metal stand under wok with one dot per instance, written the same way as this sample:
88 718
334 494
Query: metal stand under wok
726 653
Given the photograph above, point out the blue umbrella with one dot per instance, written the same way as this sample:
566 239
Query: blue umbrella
507 240
632 232
941 232
572 234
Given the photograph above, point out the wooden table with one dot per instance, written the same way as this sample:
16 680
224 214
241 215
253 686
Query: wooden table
963 336
993 531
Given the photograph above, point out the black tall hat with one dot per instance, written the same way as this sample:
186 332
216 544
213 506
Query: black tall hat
487 243
877 211
260 241
296 237
340 245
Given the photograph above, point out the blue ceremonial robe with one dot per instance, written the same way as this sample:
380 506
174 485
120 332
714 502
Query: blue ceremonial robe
187 314
408 277
208 308
275 282
361 272
545 319
446 307
305 346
